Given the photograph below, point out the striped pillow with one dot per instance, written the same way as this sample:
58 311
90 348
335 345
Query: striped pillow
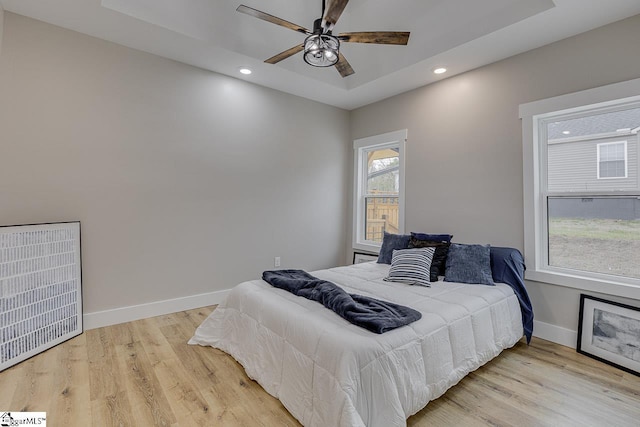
411 266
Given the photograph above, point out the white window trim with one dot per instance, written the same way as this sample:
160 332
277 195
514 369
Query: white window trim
605 135
535 203
392 139
626 169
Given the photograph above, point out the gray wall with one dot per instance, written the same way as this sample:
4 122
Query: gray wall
464 149
186 181
1 26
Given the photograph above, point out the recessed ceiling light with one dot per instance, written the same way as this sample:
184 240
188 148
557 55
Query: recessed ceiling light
566 132
245 71
440 70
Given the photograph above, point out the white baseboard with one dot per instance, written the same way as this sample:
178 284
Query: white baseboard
99 319
556 334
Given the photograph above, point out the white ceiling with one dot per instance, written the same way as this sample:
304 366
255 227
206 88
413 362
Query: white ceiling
458 34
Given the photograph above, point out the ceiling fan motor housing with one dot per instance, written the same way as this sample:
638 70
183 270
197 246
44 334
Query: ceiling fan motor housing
317 27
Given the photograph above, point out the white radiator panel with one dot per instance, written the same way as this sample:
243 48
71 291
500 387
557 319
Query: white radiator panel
40 289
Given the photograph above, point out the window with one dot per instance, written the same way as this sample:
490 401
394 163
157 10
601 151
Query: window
379 188
612 160
582 189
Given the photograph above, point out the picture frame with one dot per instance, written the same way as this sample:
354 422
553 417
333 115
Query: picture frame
609 331
359 257
40 288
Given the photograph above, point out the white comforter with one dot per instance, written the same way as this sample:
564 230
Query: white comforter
328 372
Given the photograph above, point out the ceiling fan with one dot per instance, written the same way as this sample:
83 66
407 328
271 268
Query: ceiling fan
321 48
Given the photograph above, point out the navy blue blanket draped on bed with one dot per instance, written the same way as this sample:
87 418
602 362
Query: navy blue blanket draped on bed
369 313
507 266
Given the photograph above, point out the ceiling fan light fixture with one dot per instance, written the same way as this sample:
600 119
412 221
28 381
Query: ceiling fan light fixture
321 50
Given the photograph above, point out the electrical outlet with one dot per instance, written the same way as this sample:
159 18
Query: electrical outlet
276 261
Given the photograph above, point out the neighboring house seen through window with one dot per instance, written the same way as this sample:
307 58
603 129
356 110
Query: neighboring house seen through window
379 188
582 189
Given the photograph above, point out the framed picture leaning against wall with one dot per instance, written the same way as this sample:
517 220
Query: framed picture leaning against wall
610 332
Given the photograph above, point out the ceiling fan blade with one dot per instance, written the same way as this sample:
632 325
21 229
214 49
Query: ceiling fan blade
284 55
377 37
343 66
333 12
270 18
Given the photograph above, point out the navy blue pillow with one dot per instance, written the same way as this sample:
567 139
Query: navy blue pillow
433 237
469 264
391 242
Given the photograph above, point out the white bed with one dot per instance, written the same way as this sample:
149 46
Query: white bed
328 372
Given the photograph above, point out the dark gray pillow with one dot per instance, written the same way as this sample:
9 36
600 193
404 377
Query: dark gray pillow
391 242
469 264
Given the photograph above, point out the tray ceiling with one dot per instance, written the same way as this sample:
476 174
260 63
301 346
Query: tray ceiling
458 34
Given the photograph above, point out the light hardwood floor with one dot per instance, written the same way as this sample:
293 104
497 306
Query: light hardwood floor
143 373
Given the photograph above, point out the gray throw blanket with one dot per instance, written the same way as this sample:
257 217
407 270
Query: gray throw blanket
369 313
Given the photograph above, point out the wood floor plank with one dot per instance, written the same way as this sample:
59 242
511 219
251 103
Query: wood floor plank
144 373
531 398
238 387
110 404
187 403
199 315
540 408
8 384
70 399
489 404
145 394
155 343
444 411
33 391
583 386
218 386
104 377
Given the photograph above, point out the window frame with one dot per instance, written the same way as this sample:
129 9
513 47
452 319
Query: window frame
626 160
396 139
533 115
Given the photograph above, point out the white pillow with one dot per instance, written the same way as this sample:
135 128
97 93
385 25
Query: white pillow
411 266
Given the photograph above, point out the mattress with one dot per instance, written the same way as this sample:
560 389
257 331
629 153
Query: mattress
328 372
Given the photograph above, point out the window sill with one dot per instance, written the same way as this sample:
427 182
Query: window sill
367 247
609 287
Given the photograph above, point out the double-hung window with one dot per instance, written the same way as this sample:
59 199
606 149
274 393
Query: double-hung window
612 159
379 188
582 189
